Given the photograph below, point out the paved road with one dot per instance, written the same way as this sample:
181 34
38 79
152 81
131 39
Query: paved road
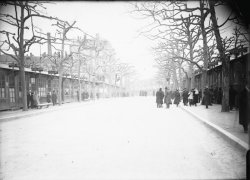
123 138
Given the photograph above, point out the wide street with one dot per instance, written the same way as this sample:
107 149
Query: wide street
120 138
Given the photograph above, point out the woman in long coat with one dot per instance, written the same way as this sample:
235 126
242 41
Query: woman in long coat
167 97
190 98
177 98
159 98
195 96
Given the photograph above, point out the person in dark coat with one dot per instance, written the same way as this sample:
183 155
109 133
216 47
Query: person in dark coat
48 97
167 97
159 98
243 109
206 97
177 97
185 97
54 97
200 96
30 99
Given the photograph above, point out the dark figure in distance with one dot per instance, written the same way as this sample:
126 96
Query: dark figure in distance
177 97
30 99
159 98
206 96
185 97
167 97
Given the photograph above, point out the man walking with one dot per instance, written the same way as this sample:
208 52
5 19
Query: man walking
206 96
159 98
177 97
29 99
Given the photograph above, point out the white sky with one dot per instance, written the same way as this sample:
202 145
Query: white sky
113 22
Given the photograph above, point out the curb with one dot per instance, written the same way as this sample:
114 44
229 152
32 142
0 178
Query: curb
226 135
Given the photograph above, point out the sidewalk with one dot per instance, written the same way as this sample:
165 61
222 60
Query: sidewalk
226 123
16 114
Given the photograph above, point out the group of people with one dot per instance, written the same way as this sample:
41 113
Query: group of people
194 96
166 97
190 98
33 99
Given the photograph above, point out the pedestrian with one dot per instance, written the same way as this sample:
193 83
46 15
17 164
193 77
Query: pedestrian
29 99
159 98
177 97
195 96
167 98
36 99
48 97
206 96
54 97
185 97
200 96
244 108
190 98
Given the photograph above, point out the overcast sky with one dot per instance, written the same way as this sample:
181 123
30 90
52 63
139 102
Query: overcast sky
113 22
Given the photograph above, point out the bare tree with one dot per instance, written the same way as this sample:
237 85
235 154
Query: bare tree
20 20
225 60
61 59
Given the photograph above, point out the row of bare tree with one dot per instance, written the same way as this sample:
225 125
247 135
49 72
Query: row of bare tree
88 54
189 39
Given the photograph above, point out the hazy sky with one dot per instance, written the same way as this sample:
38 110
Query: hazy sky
113 22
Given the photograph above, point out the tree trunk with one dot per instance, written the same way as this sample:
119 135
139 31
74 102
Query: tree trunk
79 82
203 81
60 71
225 60
180 78
60 86
21 64
191 71
248 85
205 48
94 87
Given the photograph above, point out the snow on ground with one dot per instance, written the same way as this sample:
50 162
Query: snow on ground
121 138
